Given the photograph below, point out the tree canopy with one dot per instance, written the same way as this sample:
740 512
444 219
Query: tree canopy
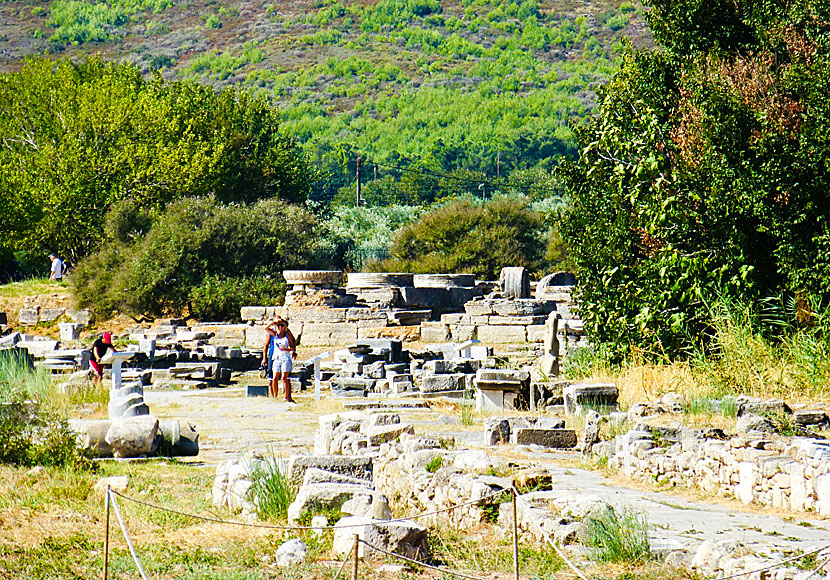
705 171
77 137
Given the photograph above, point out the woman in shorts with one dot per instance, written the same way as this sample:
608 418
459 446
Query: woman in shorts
285 351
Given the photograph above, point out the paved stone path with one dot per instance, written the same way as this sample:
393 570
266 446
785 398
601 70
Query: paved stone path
229 424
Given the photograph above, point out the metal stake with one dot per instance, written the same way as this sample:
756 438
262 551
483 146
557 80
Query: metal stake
107 535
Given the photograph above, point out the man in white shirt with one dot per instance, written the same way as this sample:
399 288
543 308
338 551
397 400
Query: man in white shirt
57 268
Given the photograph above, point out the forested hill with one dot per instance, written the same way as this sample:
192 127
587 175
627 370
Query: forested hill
488 86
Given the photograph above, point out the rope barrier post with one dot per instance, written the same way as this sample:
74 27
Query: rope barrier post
515 533
356 545
107 534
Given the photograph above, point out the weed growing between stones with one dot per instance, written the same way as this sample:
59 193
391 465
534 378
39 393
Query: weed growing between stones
435 464
271 489
467 409
618 536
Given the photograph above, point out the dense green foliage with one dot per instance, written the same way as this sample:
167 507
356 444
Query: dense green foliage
32 432
705 172
78 137
464 236
197 257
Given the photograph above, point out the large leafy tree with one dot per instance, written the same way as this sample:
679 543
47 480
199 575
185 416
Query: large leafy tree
77 137
706 170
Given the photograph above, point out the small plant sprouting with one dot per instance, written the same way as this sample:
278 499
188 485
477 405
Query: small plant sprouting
467 409
435 464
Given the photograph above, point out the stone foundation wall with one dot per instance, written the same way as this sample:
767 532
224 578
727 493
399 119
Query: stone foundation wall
765 470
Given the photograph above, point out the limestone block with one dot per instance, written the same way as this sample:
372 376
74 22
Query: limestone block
28 316
745 490
356 467
326 334
91 436
496 431
455 318
517 320
405 537
479 307
536 333
554 438
317 315
462 333
291 553
473 460
385 433
253 313
435 332
595 395
377 322
443 382
51 314
402 333
80 316
823 494
810 417
502 334
70 331
527 307
373 506
324 497
133 437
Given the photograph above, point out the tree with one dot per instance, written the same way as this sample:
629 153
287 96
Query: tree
705 171
199 258
77 137
467 237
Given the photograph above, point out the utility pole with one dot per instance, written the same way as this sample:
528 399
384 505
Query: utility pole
357 172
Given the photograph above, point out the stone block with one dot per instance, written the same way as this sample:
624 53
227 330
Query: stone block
51 314
447 382
403 333
359 467
502 334
462 333
405 537
327 334
479 307
80 316
386 433
552 438
455 318
28 316
594 395
496 431
523 307
517 320
133 437
435 332
317 315
380 322
70 331
253 313
810 417
536 333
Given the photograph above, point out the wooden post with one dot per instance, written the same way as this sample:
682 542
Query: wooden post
107 535
356 546
515 533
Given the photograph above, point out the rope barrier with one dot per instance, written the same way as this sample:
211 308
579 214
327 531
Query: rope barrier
550 541
278 527
417 563
818 569
127 536
343 565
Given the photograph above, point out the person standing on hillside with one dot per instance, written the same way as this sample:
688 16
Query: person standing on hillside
100 348
57 268
285 351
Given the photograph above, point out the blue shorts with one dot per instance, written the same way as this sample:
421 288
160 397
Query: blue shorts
282 365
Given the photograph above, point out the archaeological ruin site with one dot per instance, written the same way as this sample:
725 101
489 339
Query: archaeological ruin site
438 402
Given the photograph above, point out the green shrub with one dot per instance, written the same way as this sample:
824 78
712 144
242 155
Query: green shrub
32 430
199 257
467 237
271 490
618 536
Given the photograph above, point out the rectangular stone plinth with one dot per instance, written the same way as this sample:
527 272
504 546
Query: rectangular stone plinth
443 382
326 334
502 334
553 438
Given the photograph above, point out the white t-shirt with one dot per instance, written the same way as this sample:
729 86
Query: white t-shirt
57 268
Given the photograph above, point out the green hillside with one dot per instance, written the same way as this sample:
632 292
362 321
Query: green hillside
481 86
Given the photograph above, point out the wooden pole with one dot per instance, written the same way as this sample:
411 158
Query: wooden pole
515 534
356 545
357 173
107 535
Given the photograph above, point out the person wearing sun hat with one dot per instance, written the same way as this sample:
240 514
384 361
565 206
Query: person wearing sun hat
100 348
285 351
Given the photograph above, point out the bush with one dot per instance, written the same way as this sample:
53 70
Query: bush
467 237
199 257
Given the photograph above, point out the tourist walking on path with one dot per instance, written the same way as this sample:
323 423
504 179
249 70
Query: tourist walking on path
99 348
285 351
57 268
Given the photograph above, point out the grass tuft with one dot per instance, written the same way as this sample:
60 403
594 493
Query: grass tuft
271 490
618 536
